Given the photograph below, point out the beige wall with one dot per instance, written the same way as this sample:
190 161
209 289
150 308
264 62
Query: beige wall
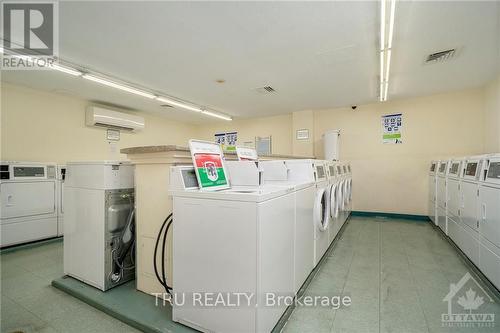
44 126
279 127
492 117
393 178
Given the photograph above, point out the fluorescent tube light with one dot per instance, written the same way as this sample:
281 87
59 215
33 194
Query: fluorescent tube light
65 69
382 24
382 56
118 86
391 24
386 88
217 115
388 65
178 104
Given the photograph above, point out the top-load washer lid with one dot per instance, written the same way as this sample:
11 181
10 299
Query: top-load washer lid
321 209
296 186
237 193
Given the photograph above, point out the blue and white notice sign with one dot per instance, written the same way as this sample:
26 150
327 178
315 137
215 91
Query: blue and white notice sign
392 126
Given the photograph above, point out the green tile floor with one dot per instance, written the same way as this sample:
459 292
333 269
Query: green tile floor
397 273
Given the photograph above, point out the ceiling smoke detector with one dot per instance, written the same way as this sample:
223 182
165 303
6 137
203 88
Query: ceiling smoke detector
440 56
265 90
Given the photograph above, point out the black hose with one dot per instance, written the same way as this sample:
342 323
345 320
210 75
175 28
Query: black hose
162 279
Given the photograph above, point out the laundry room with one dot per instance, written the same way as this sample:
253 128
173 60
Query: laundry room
241 166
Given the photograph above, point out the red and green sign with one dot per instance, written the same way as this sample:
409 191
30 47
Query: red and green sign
210 170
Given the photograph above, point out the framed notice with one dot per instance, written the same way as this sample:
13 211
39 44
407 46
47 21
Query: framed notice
246 154
208 161
302 134
113 135
392 126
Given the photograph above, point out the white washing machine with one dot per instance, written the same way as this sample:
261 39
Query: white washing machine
238 240
441 195
315 170
489 222
432 191
349 189
453 195
276 173
341 193
28 202
468 240
99 233
333 194
60 177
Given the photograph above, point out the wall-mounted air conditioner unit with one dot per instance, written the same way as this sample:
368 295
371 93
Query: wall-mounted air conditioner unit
99 116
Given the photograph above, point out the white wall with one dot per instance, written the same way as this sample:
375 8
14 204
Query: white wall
492 117
44 126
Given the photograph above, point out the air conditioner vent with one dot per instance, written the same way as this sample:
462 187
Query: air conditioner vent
265 90
440 56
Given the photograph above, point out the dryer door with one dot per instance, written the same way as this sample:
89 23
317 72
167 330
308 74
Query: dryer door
340 196
20 199
334 207
321 209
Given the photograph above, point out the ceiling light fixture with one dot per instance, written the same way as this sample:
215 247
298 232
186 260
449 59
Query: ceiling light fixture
386 45
216 115
178 104
88 76
65 69
118 86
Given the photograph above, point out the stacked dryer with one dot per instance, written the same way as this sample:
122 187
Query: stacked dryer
441 196
432 191
468 240
489 219
453 195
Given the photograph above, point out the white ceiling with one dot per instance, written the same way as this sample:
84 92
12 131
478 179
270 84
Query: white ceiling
314 54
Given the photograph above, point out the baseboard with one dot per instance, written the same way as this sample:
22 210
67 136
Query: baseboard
420 218
30 245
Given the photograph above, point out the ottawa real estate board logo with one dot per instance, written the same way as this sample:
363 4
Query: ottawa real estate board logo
29 35
468 305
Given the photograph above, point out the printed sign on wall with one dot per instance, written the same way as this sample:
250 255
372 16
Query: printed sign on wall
392 126
246 154
209 165
227 140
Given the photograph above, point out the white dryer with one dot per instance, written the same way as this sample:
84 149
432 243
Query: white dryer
453 195
315 170
432 191
276 173
237 240
468 240
28 202
489 222
441 196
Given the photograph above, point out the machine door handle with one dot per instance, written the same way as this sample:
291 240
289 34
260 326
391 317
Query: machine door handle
484 211
9 201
